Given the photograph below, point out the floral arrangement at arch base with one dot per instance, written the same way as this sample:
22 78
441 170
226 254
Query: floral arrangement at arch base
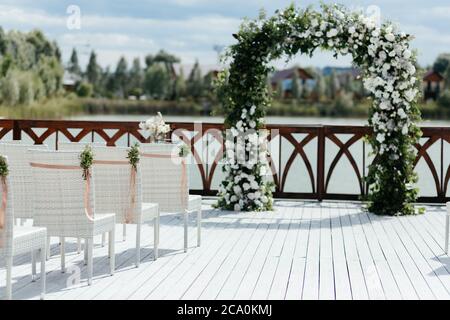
387 63
156 128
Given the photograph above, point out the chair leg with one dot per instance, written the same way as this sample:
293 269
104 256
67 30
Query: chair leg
48 248
63 254
156 236
43 275
186 215
447 231
199 226
9 265
138 244
103 239
90 266
112 253
79 245
85 252
124 232
33 265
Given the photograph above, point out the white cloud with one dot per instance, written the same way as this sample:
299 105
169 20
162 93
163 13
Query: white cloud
16 17
105 40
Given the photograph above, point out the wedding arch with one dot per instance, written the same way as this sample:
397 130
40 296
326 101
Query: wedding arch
383 55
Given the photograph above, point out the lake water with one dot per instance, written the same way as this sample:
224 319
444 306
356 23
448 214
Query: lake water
269 120
343 179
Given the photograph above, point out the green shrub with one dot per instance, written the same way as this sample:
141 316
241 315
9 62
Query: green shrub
444 99
84 89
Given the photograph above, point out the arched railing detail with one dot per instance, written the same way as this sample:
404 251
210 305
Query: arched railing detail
344 149
299 149
439 172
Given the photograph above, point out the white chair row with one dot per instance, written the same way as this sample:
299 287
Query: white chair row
58 204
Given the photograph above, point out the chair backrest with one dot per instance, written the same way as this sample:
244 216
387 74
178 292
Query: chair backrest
59 203
78 146
164 179
20 176
6 233
113 184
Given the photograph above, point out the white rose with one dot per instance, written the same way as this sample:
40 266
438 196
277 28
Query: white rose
405 129
332 33
401 113
407 54
237 207
410 95
381 137
390 37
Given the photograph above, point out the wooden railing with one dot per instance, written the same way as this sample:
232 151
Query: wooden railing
309 156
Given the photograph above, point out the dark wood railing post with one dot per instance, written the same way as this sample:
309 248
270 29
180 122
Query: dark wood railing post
320 163
17 132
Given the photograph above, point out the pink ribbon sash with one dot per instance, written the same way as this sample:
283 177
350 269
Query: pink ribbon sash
87 187
4 187
183 183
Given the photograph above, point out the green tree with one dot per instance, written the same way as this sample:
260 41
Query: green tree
195 83
51 72
121 77
157 81
93 70
84 89
333 85
296 89
10 90
3 41
320 87
442 63
180 85
30 66
136 75
73 65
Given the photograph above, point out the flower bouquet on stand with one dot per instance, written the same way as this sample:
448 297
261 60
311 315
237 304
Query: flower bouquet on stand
156 128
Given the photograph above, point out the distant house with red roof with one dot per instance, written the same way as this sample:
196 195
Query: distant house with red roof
433 84
284 79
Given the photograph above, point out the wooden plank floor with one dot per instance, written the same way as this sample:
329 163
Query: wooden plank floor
303 250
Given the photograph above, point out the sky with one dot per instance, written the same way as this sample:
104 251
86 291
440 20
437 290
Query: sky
191 29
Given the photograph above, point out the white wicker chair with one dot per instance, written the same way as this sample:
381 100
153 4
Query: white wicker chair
20 177
79 146
60 203
16 240
162 184
112 193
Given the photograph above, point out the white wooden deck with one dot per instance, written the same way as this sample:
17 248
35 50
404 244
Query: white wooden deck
303 250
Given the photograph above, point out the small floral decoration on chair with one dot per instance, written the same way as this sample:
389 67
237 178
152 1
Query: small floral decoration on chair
156 127
133 155
184 150
86 159
4 171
